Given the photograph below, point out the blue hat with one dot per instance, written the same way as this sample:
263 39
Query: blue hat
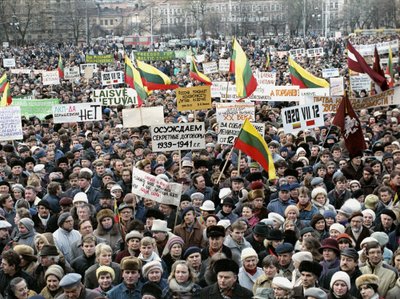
40 154
186 210
330 214
70 280
284 248
77 148
316 181
294 186
285 187
191 250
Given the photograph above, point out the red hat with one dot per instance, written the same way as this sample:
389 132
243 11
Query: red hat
330 243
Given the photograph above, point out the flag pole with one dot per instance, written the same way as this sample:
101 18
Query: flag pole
322 145
223 168
238 166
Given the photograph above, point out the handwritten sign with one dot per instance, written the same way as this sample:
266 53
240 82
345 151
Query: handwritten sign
229 130
50 78
148 186
235 111
329 73
71 73
9 62
10 123
210 67
79 112
284 94
302 117
360 82
174 137
100 59
83 66
193 98
314 92
34 107
115 97
336 86
149 116
224 65
266 78
109 78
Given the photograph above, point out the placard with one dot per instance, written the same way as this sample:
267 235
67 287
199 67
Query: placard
224 65
235 111
34 107
26 71
115 97
336 86
297 53
360 82
148 186
175 137
314 92
228 92
266 78
200 58
72 73
315 52
193 98
210 67
10 123
9 62
83 66
144 116
50 78
329 73
383 48
229 130
284 94
6 44
88 73
302 117
155 56
109 78
100 59
77 112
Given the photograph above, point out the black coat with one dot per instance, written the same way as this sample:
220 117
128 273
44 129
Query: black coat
325 280
5 282
212 292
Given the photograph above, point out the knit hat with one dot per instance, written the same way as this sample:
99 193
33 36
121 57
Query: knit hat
330 214
370 212
369 279
315 219
28 223
337 226
174 240
371 201
131 263
342 276
104 214
191 250
316 293
187 210
151 266
80 197
318 190
55 270
302 256
105 269
133 234
292 208
248 252
62 218
282 282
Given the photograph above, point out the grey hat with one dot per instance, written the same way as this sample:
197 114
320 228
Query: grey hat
315 293
70 280
262 293
316 181
4 224
28 223
62 218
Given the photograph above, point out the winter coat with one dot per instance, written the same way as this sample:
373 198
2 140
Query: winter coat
394 293
111 236
212 292
386 273
236 248
247 280
63 240
190 238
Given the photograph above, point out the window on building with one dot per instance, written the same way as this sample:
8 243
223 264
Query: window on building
111 22
101 22
106 22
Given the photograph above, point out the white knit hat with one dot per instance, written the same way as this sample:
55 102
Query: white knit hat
150 266
282 282
371 212
248 252
302 256
342 276
337 226
318 190
276 217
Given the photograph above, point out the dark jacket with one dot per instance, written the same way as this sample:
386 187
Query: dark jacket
5 282
364 234
212 292
325 280
351 173
190 238
205 253
85 294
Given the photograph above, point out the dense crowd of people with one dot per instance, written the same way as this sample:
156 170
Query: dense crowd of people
72 227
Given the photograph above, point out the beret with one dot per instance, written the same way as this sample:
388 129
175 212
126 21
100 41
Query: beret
70 280
389 213
284 248
282 282
55 270
316 293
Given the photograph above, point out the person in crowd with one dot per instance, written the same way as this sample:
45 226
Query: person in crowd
72 286
105 276
249 272
367 285
53 276
181 281
19 289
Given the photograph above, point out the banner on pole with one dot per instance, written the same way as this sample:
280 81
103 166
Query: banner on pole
302 117
229 130
115 97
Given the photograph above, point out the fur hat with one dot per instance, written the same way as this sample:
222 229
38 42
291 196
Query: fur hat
55 270
225 265
103 214
131 263
312 267
342 276
292 208
153 289
369 279
25 250
253 194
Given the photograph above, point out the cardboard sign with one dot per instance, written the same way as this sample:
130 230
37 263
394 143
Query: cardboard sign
329 73
88 73
33 107
224 65
100 59
50 78
229 130
266 78
315 52
175 137
235 112
200 58
383 48
6 44
193 98
109 78
79 112
228 92
314 92
10 123
155 56
284 94
297 53
210 67
336 86
302 117
148 116
83 66
115 97
360 82
148 186
72 73
9 62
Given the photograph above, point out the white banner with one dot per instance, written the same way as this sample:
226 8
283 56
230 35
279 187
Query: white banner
302 117
72 73
210 67
224 65
175 137
144 116
115 97
83 66
109 78
284 94
200 58
329 73
296 53
314 92
235 111
27 71
267 79
360 82
9 62
148 186
50 78
78 112
229 130
383 48
6 44
315 52
336 86
10 123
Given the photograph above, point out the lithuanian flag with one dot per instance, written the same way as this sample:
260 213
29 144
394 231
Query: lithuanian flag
60 68
196 75
3 82
253 144
389 69
6 99
303 78
133 80
246 83
153 78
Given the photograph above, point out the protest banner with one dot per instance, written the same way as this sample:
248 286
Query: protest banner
200 58
314 92
284 94
175 137
50 78
6 44
100 59
267 79
297 53
224 65
229 130
182 54
71 73
210 67
228 92
77 112
329 73
10 123
383 48
336 86
109 78
83 66
32 107
115 97
302 117
148 186
235 111
26 71
193 98
315 52
9 62
360 82
154 56
144 116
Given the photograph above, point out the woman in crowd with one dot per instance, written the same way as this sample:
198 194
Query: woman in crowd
175 251
107 229
28 258
132 246
318 223
181 282
52 277
153 272
367 285
283 288
270 266
319 197
312 245
105 276
340 286
19 289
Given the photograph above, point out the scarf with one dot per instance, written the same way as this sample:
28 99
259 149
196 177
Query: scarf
153 257
176 287
251 272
